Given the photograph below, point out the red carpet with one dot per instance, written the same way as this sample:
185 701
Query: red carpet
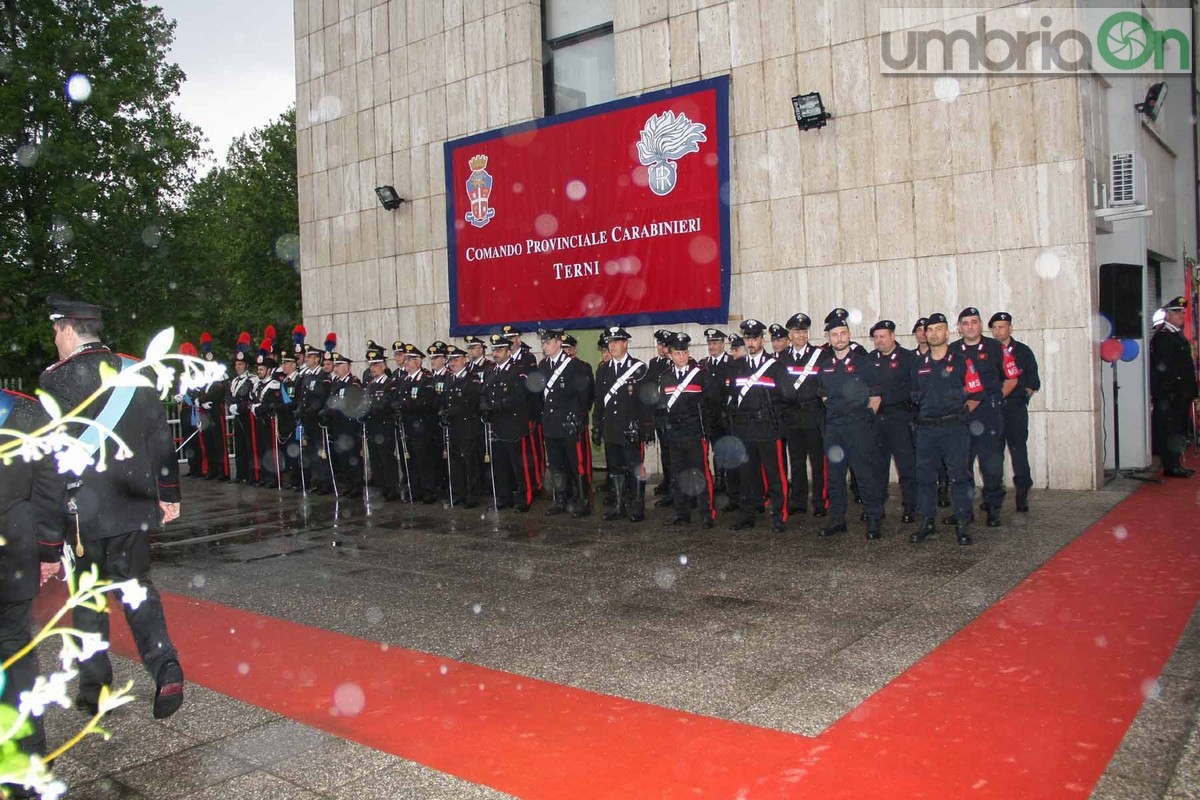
1030 700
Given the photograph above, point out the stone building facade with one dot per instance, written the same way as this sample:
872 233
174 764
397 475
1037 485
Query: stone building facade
920 195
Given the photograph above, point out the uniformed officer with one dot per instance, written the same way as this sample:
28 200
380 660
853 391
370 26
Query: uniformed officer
238 401
946 389
505 408
350 405
623 421
288 414
1016 405
737 348
943 481
753 400
655 367
314 419
998 372
417 403
918 332
480 364
380 424
803 418
725 475
121 507
893 375
846 380
688 393
460 415
528 361
564 386
602 344
264 405
1172 389
327 356
779 339
189 422
32 524
212 419
571 348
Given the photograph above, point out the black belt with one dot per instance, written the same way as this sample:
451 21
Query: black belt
949 419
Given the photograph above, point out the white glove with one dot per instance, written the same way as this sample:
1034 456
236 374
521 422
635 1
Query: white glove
206 406
254 408
233 409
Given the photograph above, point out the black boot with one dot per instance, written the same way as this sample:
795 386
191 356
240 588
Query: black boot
618 499
909 515
922 533
834 527
874 528
993 517
664 502
583 500
558 495
637 501
962 534
1022 500
943 499
952 519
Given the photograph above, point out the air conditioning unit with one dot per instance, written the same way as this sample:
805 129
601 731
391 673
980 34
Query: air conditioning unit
1126 178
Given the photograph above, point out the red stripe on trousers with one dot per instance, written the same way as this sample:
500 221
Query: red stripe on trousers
825 481
782 480
579 458
203 449
525 470
254 466
712 508
224 444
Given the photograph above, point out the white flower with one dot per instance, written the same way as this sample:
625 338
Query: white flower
46 691
91 643
52 790
133 594
73 459
70 652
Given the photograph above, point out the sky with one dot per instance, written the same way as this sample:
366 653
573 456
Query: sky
239 57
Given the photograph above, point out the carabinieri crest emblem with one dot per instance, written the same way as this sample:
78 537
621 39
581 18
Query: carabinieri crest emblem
665 139
479 190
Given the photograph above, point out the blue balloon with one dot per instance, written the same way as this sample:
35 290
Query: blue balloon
1129 349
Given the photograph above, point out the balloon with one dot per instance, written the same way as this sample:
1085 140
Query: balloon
1111 350
1129 349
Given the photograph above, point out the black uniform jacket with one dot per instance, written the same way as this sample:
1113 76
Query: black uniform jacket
754 403
565 401
624 415
689 405
505 401
32 504
417 404
462 406
125 497
1172 376
802 404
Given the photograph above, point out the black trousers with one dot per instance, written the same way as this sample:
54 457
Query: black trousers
271 452
191 450
691 478
15 621
121 558
512 468
947 446
424 466
245 455
660 431
1016 438
464 469
345 456
318 471
806 450
564 458
212 435
381 450
850 444
987 446
762 473
894 441
1169 424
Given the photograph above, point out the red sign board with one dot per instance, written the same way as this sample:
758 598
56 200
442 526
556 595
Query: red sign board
615 214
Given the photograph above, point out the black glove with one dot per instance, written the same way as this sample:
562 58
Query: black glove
597 439
648 436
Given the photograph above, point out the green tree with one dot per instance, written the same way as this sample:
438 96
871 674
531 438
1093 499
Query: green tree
237 235
89 180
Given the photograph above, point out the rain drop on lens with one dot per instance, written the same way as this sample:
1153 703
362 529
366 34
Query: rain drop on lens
79 88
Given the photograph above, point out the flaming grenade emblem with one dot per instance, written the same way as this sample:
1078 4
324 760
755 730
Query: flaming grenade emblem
479 189
665 139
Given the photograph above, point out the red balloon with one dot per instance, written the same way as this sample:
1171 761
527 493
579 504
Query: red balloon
1111 350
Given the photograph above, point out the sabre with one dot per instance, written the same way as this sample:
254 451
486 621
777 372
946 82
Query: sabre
449 471
366 454
185 441
300 442
275 446
487 459
403 440
329 462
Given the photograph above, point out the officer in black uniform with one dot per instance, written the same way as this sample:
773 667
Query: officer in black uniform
417 404
481 365
623 421
315 386
264 405
238 401
528 361
32 523
1172 389
779 339
565 390
380 424
803 418
689 395
893 375
349 406
725 475
1016 405
753 399
571 348
505 408
999 373
212 419
288 415
117 510
847 382
460 416
655 367
946 389
439 379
